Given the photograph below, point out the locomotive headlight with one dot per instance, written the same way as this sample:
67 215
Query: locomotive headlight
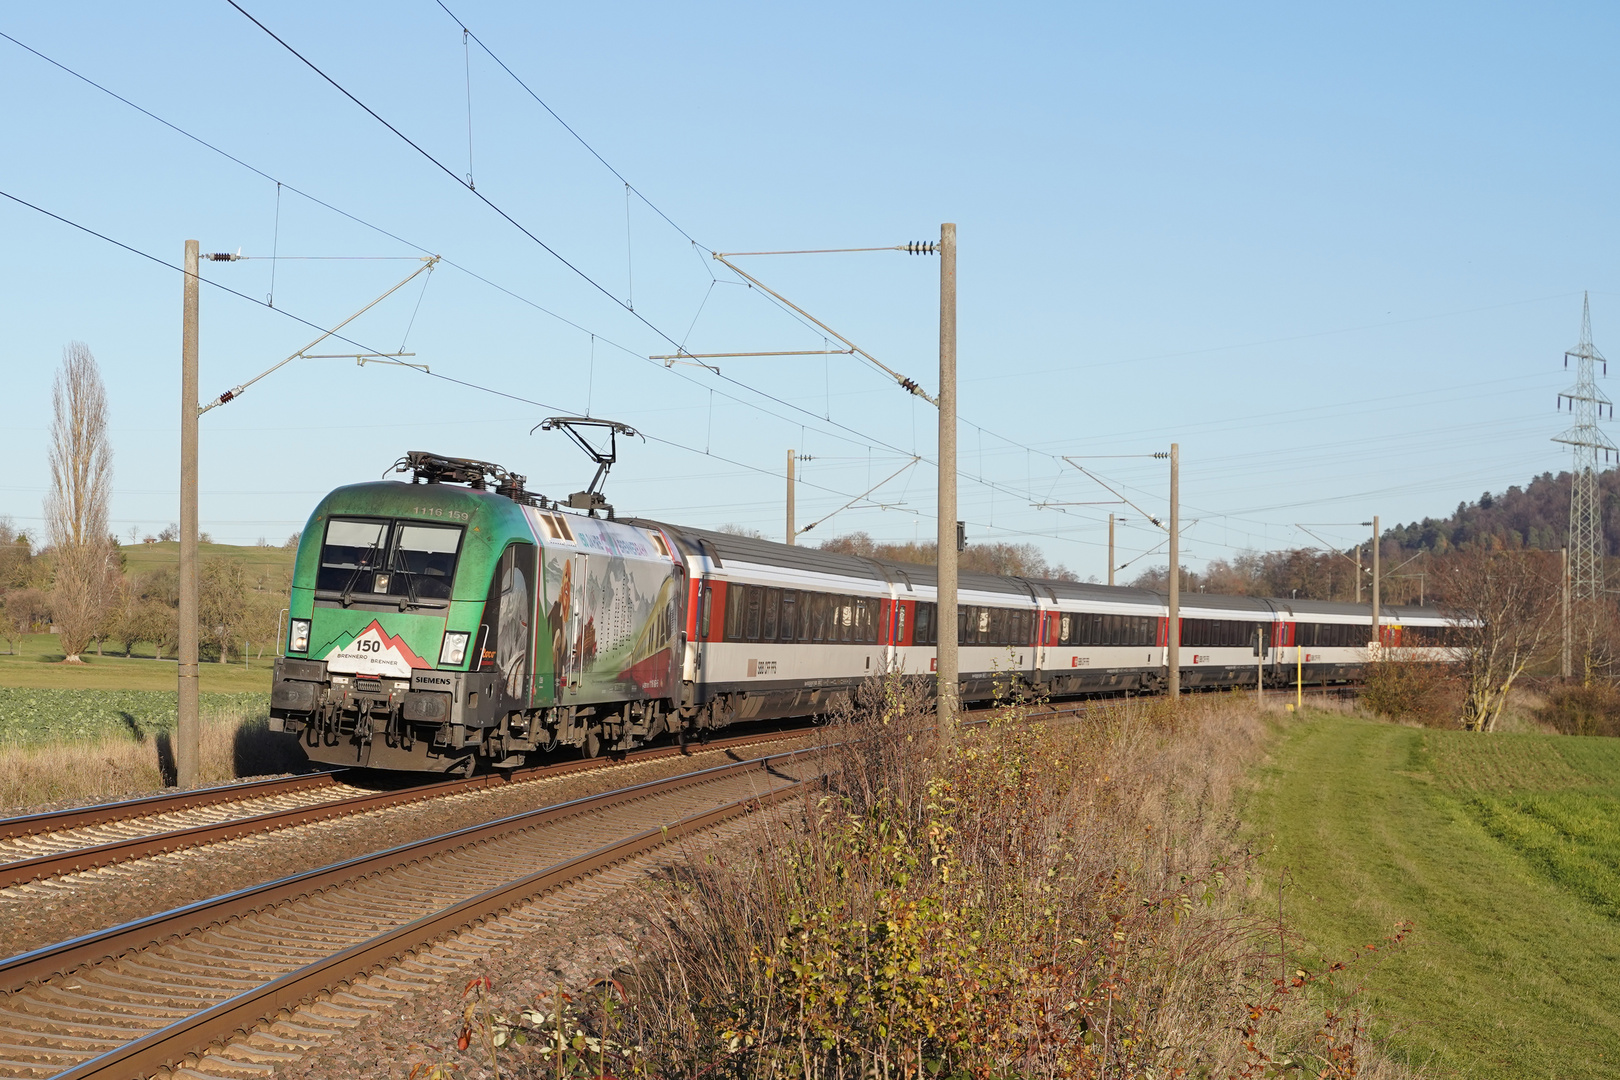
298 639
454 650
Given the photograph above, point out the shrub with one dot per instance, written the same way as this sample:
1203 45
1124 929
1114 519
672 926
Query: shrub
1417 691
1582 710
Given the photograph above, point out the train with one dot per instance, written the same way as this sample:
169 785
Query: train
456 620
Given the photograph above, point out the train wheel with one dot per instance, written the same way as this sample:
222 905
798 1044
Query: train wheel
593 744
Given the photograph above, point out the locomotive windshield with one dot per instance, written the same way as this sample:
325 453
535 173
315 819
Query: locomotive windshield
388 558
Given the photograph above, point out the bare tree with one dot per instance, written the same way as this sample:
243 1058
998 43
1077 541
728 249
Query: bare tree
76 508
16 557
22 611
1503 608
222 604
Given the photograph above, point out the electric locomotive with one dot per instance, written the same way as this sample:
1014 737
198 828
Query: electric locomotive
438 622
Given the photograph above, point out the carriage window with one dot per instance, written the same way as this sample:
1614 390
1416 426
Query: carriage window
925 624
755 602
1063 630
773 606
736 606
899 623
844 618
790 616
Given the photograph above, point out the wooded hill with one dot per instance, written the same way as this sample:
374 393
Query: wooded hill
1534 516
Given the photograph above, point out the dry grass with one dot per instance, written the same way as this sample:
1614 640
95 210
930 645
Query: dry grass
1034 900
235 743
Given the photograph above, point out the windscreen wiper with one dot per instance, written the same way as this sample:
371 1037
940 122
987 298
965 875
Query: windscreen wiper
410 599
343 597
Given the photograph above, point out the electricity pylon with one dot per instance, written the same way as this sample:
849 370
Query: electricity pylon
1586 404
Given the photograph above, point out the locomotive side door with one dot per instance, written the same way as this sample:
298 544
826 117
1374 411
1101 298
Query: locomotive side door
574 649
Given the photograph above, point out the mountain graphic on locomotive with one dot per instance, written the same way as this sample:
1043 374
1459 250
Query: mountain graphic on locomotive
445 621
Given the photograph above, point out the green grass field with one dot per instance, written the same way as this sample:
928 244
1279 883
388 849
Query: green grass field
37 666
144 558
1503 851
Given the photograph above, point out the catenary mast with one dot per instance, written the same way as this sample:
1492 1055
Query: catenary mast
1587 405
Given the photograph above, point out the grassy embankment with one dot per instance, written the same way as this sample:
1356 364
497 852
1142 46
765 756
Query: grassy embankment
1503 851
144 558
1023 900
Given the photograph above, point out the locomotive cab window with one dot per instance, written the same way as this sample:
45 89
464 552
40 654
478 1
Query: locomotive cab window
423 561
351 555
388 558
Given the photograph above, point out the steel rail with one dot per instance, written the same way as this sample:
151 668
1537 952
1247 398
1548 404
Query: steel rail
63 958
79 817
139 847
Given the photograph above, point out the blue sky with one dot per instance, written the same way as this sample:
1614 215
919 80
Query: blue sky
1337 255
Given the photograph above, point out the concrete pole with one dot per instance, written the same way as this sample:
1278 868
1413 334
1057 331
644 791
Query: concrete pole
187 733
790 499
1376 636
945 651
1174 638
1110 549
1260 664
1358 573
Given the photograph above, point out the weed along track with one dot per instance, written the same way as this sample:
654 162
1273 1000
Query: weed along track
141 997
47 845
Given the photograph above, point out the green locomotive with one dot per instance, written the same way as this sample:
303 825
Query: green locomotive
437 622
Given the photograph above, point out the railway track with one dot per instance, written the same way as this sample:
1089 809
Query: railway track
141 997
47 845
42 846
